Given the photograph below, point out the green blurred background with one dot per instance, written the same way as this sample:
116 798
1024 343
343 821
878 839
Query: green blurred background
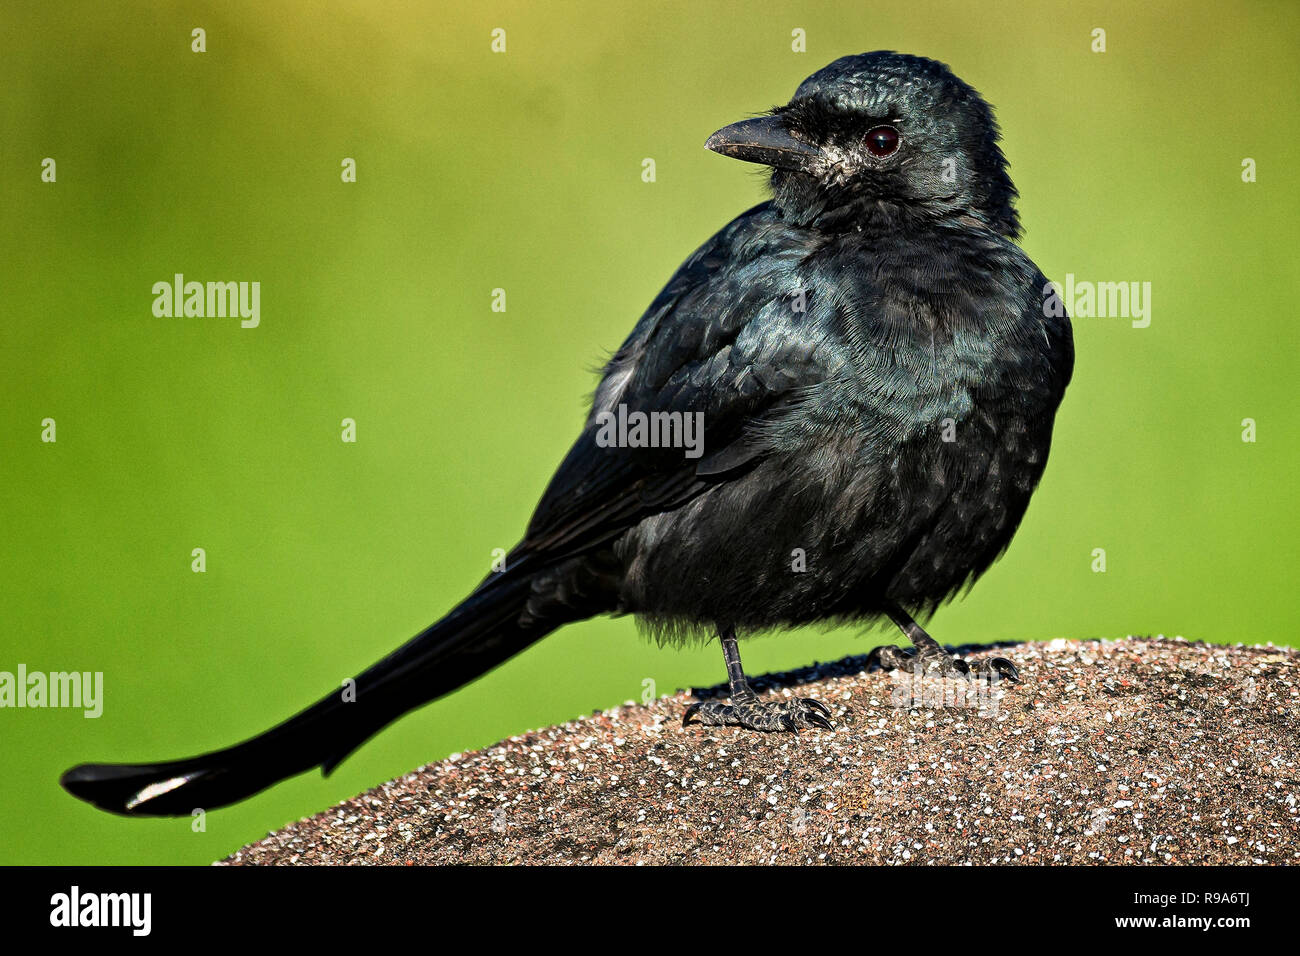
522 171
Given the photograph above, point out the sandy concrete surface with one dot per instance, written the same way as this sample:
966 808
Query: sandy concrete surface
1130 751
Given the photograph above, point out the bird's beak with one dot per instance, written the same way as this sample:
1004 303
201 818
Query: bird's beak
766 140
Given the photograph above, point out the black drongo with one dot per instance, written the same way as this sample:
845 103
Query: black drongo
868 378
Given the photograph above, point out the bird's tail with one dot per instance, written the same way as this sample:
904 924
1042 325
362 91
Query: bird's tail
481 632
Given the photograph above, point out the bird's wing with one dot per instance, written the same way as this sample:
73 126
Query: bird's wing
725 338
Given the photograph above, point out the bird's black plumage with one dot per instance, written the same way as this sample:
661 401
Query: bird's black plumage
877 378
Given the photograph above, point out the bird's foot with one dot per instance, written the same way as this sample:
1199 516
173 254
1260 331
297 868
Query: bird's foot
931 660
754 714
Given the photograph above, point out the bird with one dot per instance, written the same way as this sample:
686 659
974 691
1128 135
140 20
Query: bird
836 411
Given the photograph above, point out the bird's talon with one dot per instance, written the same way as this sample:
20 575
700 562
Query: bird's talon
997 668
818 705
784 716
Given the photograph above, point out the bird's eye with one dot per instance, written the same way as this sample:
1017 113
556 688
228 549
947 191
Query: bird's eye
882 141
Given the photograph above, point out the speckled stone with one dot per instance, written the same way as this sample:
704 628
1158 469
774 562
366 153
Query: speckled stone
1130 751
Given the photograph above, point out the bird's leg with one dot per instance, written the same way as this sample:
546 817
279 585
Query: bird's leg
931 659
746 710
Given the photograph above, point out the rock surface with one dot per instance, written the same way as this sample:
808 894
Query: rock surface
1131 751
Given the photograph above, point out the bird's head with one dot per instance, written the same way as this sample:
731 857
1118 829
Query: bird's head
880 134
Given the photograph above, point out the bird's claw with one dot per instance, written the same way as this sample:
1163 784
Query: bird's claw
817 720
817 705
996 668
753 714
938 663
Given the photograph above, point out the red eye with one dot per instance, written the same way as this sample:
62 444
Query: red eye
882 141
